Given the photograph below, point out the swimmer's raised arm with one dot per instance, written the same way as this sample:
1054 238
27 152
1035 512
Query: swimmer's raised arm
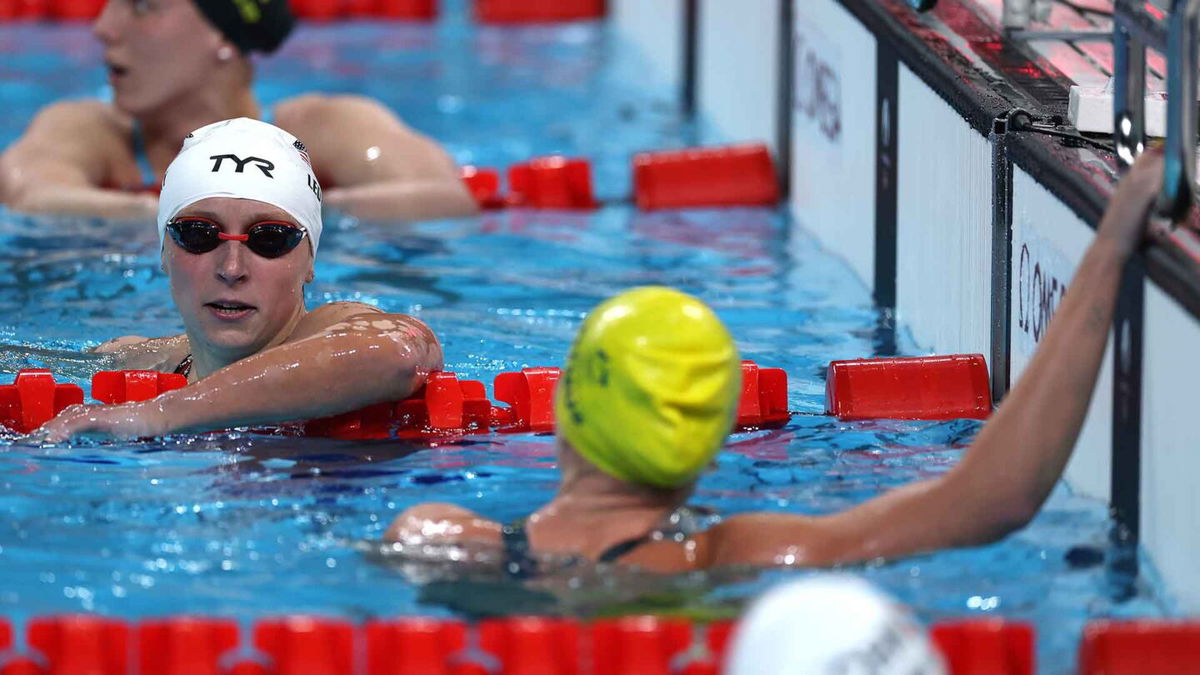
364 359
377 166
61 161
1019 454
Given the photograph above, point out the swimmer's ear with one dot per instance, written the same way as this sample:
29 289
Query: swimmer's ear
310 276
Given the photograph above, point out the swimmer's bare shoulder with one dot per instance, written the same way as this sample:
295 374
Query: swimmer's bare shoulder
438 522
77 143
328 315
339 130
771 539
134 352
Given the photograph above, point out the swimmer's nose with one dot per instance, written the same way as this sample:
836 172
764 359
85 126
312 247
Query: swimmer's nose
231 265
106 25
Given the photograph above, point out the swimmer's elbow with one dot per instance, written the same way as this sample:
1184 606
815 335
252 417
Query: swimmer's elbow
415 352
1003 520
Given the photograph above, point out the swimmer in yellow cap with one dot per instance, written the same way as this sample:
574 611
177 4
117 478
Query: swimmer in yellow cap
648 395
177 65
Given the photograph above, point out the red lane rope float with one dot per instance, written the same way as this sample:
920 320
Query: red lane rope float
991 647
915 388
300 645
1139 647
484 186
123 386
328 10
24 10
537 11
75 10
553 182
33 399
185 644
735 175
532 644
418 645
523 645
82 644
530 398
444 405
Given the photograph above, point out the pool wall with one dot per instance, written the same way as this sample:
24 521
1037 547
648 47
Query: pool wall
896 156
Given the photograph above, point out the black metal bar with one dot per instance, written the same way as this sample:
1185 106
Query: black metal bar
1128 326
691 29
886 104
1002 218
1125 483
783 133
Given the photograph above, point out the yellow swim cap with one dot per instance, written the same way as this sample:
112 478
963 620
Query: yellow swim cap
650 388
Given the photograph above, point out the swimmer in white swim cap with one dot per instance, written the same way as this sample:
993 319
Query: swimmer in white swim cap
830 625
177 65
240 224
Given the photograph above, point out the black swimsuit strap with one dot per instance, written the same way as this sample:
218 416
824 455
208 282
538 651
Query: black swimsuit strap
622 548
518 560
680 524
185 366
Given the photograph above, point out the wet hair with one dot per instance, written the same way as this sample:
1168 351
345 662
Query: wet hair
251 25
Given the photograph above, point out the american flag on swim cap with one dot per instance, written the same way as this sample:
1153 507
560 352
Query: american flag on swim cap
303 152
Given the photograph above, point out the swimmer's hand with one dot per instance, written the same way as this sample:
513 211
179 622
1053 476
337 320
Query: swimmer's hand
141 419
1131 207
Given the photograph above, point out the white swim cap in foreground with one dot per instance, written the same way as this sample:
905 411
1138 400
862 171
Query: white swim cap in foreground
243 159
830 625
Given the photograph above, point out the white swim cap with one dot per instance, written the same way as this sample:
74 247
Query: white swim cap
830 625
243 159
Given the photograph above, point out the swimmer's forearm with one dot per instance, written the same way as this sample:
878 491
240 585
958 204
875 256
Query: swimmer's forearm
326 374
408 200
1014 462
1021 452
85 201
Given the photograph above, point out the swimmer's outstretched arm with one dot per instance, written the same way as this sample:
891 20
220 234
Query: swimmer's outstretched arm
376 167
364 359
1019 454
59 163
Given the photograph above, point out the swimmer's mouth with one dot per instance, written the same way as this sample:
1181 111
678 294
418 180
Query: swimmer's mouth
115 70
229 308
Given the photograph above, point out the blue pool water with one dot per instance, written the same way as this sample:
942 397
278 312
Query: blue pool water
248 525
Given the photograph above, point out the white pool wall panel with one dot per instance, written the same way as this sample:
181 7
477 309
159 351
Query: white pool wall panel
1047 244
833 142
1170 466
943 224
737 80
655 28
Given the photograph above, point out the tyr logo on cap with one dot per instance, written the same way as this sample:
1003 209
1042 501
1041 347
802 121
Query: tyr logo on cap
264 165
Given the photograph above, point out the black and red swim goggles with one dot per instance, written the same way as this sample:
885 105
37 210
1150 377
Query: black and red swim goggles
267 238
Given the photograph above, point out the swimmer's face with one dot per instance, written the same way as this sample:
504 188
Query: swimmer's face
158 52
232 300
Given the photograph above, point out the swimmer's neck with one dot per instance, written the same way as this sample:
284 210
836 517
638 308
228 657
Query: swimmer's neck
587 494
169 124
208 359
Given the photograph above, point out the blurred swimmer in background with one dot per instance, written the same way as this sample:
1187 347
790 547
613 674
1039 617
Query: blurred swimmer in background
648 396
177 65
239 222
830 625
